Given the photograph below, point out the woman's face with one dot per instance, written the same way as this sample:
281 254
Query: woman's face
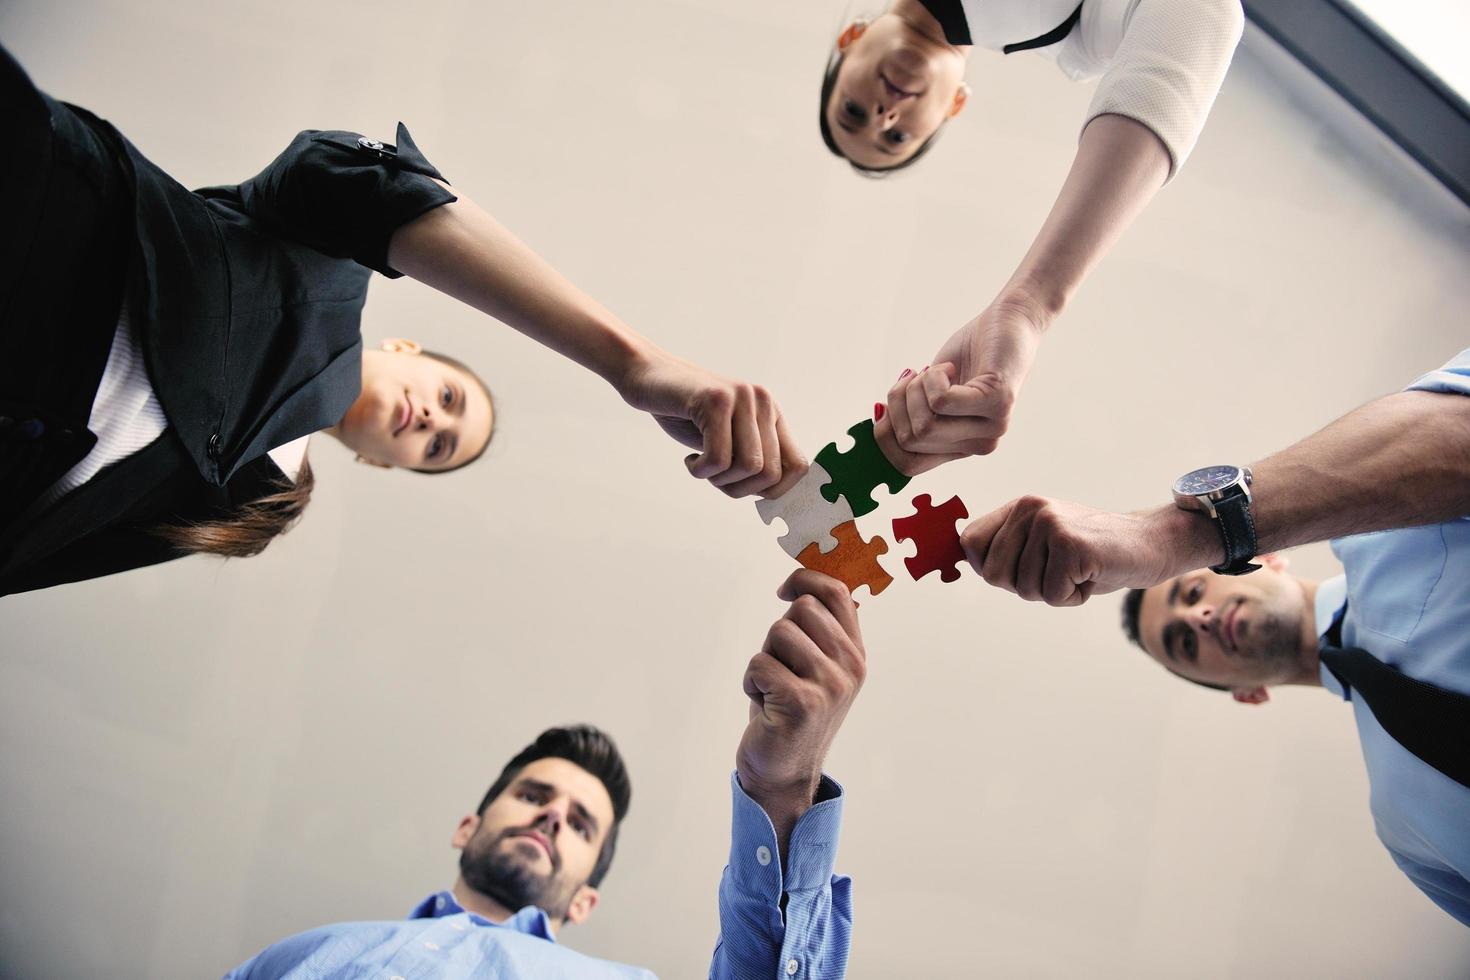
415 411
894 88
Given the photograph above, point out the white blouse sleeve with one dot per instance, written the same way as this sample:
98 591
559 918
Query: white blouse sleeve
1168 64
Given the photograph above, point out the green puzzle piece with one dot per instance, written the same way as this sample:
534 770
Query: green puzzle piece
856 472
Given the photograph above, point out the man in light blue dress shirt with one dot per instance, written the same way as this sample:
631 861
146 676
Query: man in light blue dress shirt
535 851
1390 484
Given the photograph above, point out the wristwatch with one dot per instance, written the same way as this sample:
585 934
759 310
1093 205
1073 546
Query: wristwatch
1223 493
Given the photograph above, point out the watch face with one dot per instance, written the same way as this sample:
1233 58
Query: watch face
1207 480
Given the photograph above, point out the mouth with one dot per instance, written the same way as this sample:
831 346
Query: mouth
405 413
540 840
1231 617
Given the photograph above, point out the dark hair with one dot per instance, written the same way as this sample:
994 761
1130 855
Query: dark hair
591 749
829 82
465 369
1132 603
248 530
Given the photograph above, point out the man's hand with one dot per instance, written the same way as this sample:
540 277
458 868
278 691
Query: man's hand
961 405
1063 553
745 447
800 686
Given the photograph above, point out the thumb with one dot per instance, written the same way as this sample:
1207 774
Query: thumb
977 536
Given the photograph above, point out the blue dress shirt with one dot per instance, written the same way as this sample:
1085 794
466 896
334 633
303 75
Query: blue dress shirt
1408 603
441 940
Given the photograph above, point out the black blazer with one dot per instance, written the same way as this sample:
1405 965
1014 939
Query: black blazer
247 301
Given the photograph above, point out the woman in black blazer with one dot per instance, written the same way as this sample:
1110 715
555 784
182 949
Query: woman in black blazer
245 303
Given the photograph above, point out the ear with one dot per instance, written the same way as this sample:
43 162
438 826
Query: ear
468 824
1275 561
1251 695
582 905
400 345
851 33
360 458
961 99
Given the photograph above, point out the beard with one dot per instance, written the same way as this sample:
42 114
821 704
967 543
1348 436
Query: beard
1273 639
508 876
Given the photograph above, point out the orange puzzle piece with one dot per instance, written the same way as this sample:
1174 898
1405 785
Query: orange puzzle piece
853 562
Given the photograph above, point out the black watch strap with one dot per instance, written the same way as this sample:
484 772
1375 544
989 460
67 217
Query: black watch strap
1238 534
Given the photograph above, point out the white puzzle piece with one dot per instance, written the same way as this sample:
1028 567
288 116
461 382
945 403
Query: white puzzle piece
807 514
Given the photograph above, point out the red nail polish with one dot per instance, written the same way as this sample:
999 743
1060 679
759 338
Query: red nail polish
878 411
906 373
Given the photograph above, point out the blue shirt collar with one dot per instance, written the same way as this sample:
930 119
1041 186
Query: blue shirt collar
529 920
1331 597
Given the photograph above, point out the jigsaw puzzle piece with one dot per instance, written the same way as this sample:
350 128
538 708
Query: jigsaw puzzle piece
856 472
933 530
854 561
809 516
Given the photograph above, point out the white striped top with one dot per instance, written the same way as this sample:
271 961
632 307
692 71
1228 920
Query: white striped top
126 417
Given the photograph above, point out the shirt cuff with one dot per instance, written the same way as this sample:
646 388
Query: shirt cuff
1452 379
811 853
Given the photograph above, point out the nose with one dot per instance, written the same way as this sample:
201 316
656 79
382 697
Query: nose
549 821
427 420
1201 618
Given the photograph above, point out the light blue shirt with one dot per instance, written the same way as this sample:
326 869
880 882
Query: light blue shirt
441 940
1408 603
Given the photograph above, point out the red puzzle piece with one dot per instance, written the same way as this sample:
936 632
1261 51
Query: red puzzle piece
854 561
932 529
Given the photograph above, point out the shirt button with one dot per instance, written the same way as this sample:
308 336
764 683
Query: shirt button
395 977
456 927
213 447
433 946
439 902
368 143
763 855
792 965
31 429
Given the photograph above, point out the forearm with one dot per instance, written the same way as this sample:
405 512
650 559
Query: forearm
1120 165
462 251
1400 461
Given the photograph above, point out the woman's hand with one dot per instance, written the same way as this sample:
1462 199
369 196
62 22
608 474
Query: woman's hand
961 405
744 445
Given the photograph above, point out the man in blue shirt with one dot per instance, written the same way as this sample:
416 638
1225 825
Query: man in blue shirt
543 837
1390 484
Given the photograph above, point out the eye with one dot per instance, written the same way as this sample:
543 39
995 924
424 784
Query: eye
436 445
854 111
897 137
582 830
1194 594
446 397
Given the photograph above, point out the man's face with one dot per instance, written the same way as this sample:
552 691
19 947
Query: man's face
538 841
894 88
1240 631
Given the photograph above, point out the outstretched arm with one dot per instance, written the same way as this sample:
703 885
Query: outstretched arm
782 910
962 405
1400 461
461 250
1147 111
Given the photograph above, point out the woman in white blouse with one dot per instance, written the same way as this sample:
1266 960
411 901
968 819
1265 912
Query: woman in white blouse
893 82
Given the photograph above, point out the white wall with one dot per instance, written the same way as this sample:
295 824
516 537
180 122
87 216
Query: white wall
201 758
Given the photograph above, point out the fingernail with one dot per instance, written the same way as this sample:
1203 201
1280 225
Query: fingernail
926 367
878 411
906 373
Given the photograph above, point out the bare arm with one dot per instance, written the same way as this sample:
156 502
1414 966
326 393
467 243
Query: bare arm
461 250
964 409
1400 461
